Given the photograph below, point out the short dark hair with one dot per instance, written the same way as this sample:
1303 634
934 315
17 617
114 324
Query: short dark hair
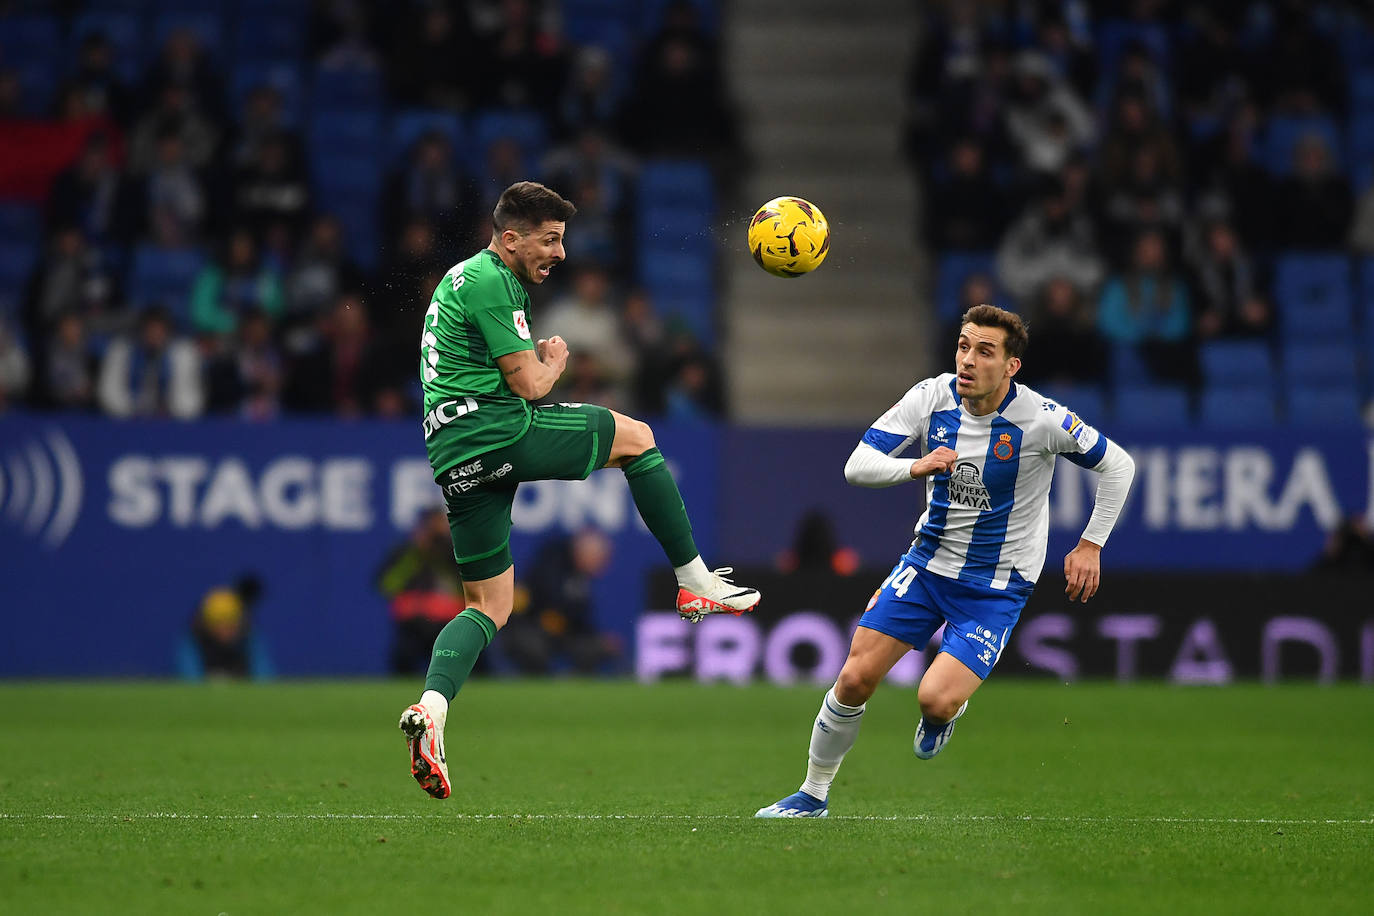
527 205
990 316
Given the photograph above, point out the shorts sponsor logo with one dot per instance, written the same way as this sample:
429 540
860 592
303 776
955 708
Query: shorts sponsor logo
966 487
466 470
986 657
465 484
983 636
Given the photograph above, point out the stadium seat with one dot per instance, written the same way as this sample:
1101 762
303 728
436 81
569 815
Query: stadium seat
358 217
1236 362
526 128
162 276
208 27
1323 407
347 89
270 36
1283 133
412 123
674 229
1128 368
954 268
17 260
28 38
652 14
686 184
1152 405
1319 364
126 36
694 309
1313 293
1238 408
1087 401
20 222
346 175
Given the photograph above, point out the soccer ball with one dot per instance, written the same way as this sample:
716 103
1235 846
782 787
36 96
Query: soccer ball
789 236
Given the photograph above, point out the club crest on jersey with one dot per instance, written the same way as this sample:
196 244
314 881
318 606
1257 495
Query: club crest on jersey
1003 449
522 327
966 487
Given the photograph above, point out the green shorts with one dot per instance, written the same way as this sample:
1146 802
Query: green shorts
564 442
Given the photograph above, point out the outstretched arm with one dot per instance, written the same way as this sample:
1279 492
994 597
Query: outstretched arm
1082 566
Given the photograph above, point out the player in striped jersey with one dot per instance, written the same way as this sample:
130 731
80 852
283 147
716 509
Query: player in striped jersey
481 371
988 447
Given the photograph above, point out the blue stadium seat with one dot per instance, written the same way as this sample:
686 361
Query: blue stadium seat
162 276
28 38
282 76
1236 362
129 7
208 27
346 175
213 7
270 36
358 217
1238 408
1283 133
1313 293
526 128
683 183
953 269
665 230
1323 407
126 36
585 20
20 222
17 260
347 89
1152 405
1128 368
38 81
652 15
1319 364
410 124
1088 401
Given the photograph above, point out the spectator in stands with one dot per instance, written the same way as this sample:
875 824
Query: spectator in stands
521 60
11 97
346 373
262 121
271 190
175 115
429 64
1065 347
424 591
1237 182
679 107
101 88
319 273
73 277
1045 120
694 390
1227 293
1348 548
93 194
1068 52
1049 240
560 620
505 166
246 377
816 548
592 158
152 373
587 381
222 642
1136 126
174 194
67 377
430 186
1138 74
1302 70
589 321
1315 201
1214 69
237 283
590 101
1145 198
965 209
184 64
406 284
1147 307
14 367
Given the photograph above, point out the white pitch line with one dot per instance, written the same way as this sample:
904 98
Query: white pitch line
929 818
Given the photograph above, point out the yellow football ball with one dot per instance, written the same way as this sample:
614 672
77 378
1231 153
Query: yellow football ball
789 236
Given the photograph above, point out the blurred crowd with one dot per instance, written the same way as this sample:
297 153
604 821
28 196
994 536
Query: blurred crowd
1131 175
191 261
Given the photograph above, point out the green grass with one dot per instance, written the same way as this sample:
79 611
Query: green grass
1050 799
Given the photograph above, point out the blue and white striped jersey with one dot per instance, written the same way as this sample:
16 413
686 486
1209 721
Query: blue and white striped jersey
987 520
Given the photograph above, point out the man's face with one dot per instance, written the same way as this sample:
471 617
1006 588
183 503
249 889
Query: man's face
981 362
534 253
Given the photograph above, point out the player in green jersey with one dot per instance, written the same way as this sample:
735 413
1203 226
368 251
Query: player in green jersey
482 370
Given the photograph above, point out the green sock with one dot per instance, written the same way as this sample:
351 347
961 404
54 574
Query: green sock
660 505
455 651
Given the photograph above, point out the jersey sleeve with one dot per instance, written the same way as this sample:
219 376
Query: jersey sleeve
499 316
904 422
1071 437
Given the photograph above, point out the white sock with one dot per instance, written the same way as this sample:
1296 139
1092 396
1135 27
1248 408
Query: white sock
693 576
437 705
836 728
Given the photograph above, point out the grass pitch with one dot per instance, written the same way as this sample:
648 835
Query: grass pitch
577 797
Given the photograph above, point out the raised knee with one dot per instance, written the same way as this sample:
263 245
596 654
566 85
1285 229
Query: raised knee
643 435
938 705
854 686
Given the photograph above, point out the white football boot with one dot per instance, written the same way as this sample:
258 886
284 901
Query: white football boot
426 740
721 596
